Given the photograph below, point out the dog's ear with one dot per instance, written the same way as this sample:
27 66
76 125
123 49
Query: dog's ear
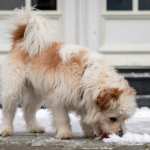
106 96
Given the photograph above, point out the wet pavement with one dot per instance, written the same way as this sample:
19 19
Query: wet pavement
46 141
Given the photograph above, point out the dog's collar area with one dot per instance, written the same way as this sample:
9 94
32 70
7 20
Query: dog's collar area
82 94
82 77
86 69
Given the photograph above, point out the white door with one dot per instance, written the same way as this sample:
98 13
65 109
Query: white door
125 32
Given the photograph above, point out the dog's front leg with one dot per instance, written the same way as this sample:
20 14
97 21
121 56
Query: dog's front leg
61 122
97 129
87 129
30 106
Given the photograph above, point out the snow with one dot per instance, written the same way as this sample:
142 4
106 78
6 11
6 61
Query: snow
136 75
44 119
128 138
138 127
140 121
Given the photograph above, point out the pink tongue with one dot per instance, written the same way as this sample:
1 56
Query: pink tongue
102 134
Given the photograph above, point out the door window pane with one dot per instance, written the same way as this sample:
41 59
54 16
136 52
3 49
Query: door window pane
45 4
144 4
11 4
119 5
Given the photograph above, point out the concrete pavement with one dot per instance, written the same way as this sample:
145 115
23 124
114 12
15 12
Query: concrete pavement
46 141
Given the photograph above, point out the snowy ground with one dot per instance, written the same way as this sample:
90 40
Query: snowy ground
138 127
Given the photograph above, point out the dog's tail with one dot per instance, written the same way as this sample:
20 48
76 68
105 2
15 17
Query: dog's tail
31 31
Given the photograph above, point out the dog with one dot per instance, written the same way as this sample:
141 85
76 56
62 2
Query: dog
40 69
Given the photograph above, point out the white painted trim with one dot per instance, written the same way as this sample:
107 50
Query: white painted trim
5 47
135 6
104 5
82 20
131 60
126 15
77 24
28 3
125 48
100 21
59 5
5 13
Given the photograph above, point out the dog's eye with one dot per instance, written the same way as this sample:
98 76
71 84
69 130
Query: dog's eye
113 119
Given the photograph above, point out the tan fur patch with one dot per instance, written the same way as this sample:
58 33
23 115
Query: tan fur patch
49 60
104 98
18 34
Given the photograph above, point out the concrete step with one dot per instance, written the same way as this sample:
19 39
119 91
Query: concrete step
143 100
139 81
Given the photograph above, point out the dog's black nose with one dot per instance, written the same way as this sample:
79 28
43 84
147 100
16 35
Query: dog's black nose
121 133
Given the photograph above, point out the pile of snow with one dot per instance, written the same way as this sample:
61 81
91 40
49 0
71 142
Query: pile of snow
128 138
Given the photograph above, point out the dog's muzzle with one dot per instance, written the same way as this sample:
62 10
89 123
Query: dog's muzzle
121 131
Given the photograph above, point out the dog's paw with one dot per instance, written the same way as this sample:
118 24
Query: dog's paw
36 129
89 135
6 132
65 135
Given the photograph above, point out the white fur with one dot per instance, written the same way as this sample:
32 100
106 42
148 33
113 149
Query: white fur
67 51
13 76
39 34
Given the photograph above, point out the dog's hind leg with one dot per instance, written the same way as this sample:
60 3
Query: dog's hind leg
12 83
30 106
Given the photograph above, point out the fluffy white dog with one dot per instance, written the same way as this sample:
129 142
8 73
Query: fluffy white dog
40 68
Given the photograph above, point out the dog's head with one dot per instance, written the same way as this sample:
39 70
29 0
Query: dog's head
110 110
108 99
